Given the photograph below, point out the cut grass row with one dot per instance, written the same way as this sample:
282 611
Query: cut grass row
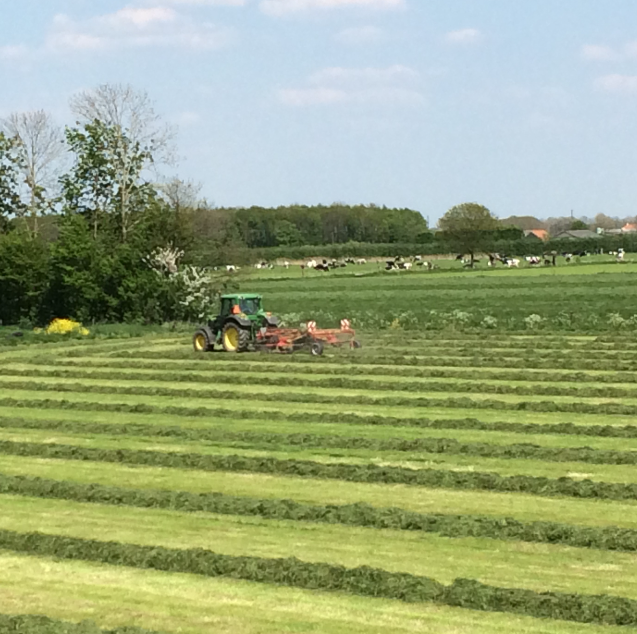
345 471
368 428
414 358
363 580
506 468
118 596
283 442
293 394
33 624
359 515
203 368
522 507
519 421
579 390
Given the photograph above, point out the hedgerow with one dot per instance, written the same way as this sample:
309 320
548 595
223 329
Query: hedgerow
277 440
474 424
35 624
364 580
504 528
224 378
338 471
310 397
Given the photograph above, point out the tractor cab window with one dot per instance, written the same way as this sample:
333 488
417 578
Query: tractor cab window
249 306
226 305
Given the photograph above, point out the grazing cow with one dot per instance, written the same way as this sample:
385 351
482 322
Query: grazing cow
533 260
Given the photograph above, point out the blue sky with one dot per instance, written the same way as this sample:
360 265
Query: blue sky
525 107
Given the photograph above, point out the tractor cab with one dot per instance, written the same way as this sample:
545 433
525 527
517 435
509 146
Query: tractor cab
248 305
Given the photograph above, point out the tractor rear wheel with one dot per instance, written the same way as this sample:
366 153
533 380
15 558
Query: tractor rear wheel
234 338
203 341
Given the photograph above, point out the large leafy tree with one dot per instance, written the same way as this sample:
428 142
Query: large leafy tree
105 183
469 228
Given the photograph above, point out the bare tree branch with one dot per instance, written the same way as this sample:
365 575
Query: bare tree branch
133 112
40 144
181 194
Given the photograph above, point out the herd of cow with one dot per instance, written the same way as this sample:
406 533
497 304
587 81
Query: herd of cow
400 263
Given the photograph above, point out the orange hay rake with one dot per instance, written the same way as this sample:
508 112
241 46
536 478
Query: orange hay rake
306 337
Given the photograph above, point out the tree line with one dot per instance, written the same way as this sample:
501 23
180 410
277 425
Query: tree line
110 217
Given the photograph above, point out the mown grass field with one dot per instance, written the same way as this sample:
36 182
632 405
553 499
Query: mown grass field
452 482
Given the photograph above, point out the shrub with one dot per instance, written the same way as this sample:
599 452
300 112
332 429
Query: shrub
65 327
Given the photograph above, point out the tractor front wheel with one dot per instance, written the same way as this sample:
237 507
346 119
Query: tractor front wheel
203 341
234 338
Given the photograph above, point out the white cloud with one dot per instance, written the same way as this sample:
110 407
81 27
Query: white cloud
363 76
394 85
14 53
285 7
600 53
134 27
597 53
617 83
359 35
464 36
202 3
312 96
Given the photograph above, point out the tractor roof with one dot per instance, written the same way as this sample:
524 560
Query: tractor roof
241 296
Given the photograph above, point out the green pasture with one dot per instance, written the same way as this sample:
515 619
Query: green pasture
568 297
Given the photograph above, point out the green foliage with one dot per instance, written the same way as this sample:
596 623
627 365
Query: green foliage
24 271
259 227
578 224
105 182
469 228
364 581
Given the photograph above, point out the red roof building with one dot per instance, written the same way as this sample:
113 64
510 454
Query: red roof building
540 234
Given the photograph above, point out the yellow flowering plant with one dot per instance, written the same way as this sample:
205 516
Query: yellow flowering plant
65 326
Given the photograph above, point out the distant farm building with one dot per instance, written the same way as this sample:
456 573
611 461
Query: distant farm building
577 234
537 234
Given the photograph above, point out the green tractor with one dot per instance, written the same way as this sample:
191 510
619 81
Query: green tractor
236 326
